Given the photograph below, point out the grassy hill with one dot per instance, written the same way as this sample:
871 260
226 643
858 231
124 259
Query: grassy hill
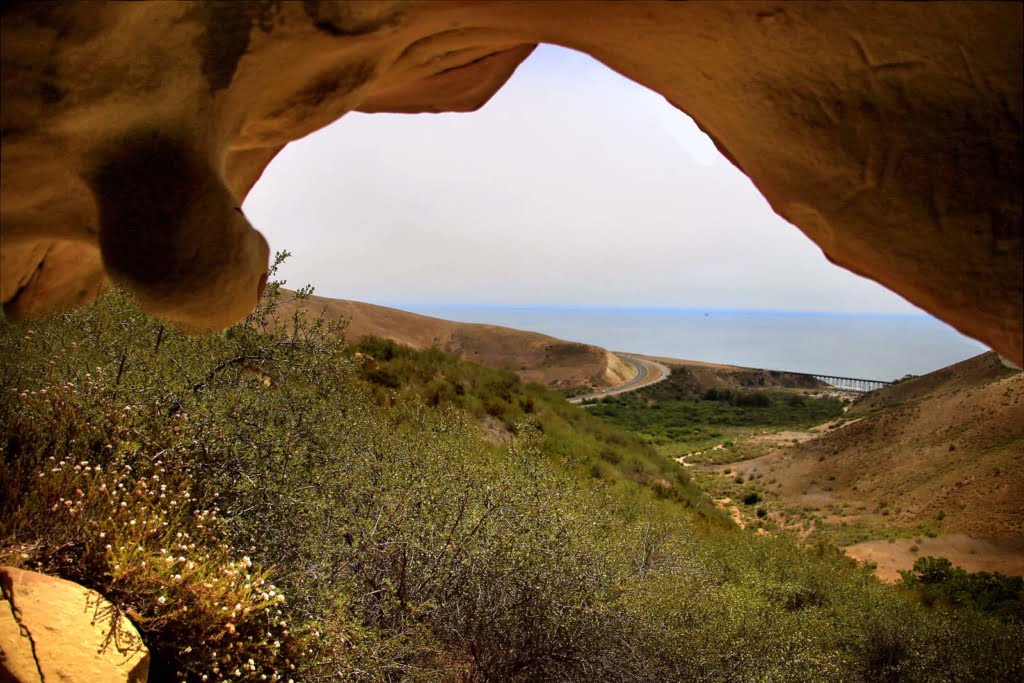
266 507
535 357
501 402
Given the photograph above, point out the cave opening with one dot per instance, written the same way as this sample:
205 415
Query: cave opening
577 202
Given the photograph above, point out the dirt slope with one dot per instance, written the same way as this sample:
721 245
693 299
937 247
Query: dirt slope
533 356
966 375
945 450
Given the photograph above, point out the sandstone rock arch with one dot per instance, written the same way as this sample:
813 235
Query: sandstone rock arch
889 133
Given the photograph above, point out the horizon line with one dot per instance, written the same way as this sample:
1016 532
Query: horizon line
405 305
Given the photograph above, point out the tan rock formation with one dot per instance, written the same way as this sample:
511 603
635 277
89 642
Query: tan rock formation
890 133
55 630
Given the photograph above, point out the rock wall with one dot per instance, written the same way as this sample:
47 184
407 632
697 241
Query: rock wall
889 133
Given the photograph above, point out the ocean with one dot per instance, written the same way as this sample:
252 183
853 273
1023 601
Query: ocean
882 347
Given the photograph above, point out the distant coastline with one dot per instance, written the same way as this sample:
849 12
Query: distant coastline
884 346
414 305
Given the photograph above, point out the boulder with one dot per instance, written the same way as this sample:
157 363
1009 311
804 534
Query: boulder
55 630
889 133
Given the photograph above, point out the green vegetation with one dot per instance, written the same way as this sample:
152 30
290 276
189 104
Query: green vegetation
935 579
502 402
261 503
683 416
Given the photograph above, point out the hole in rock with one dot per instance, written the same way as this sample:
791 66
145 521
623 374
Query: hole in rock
583 205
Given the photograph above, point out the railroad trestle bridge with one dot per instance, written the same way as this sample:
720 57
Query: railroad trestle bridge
847 383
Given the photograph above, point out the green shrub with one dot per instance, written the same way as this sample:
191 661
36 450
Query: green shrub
407 547
752 498
935 579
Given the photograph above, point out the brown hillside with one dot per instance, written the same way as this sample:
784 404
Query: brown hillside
945 450
968 374
698 376
533 356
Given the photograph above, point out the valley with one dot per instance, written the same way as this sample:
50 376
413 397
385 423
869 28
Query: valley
731 391
281 498
892 475
889 475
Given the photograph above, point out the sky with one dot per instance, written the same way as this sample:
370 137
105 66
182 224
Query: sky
573 186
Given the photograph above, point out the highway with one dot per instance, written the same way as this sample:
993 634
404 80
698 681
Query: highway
648 372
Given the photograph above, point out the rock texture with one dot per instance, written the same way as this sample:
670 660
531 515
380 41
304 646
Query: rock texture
55 630
890 133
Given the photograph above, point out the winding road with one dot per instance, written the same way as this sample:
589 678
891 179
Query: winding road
648 372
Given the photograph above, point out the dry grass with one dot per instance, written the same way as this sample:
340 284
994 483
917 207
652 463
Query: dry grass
535 357
940 456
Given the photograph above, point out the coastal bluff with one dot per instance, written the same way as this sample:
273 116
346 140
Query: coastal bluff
535 357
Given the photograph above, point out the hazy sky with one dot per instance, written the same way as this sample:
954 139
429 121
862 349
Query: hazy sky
572 186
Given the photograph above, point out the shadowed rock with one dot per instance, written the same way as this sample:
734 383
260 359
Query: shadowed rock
889 133
171 231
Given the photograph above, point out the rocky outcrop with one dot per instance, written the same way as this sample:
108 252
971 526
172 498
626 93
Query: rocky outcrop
55 630
889 133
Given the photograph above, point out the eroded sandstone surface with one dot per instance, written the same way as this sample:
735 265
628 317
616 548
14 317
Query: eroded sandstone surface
889 133
56 630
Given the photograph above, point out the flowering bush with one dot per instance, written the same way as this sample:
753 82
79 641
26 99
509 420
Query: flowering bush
94 506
